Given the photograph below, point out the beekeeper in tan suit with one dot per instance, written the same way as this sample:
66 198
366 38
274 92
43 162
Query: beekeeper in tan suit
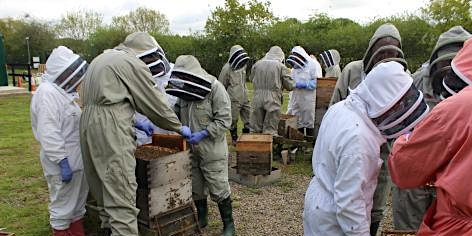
269 77
117 84
233 77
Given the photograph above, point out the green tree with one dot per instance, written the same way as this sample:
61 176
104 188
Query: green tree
445 14
40 35
79 25
142 19
102 39
236 21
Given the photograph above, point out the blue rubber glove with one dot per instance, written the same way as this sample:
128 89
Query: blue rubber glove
300 84
66 172
145 126
311 84
185 131
198 136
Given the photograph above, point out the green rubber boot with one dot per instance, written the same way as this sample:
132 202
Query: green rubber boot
226 212
202 212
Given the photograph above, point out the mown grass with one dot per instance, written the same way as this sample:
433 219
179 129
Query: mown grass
23 190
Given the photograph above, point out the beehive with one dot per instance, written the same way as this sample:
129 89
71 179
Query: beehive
254 154
285 122
324 91
164 195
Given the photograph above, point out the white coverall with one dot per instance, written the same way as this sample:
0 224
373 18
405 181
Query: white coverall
55 120
346 159
303 101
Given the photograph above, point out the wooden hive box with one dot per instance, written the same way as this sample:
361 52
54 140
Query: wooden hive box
254 154
324 91
165 186
285 122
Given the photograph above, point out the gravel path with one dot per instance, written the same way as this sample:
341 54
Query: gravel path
270 210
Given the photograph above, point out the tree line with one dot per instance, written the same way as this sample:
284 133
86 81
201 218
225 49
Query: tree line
251 24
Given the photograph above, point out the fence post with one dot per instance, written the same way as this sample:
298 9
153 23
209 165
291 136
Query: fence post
29 77
13 75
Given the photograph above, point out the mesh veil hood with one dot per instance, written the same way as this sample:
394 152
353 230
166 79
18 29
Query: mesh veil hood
385 30
137 43
275 53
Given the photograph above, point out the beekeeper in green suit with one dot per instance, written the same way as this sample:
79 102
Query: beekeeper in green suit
233 77
118 83
410 205
269 77
204 105
385 45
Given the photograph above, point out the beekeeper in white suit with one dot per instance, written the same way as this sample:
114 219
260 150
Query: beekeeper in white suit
346 159
55 120
305 72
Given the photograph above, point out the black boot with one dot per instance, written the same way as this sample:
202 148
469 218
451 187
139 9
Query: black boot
226 212
310 132
301 130
374 226
202 212
234 135
245 130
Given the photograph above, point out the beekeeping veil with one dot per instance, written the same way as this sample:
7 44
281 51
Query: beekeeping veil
298 58
444 82
394 104
462 67
153 56
238 58
385 30
275 53
188 80
65 69
330 58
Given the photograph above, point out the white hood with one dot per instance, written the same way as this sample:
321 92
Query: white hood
383 87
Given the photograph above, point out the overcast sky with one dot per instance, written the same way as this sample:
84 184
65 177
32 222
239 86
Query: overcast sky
186 15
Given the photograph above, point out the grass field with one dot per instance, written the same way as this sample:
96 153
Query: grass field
23 190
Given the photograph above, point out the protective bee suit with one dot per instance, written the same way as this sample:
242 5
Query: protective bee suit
269 77
410 205
385 45
354 72
117 84
330 60
233 77
438 152
346 156
160 83
204 105
303 101
55 120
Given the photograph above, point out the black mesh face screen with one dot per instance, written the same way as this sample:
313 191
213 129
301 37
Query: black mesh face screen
402 106
241 63
235 55
193 79
73 82
158 69
69 71
419 111
295 62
